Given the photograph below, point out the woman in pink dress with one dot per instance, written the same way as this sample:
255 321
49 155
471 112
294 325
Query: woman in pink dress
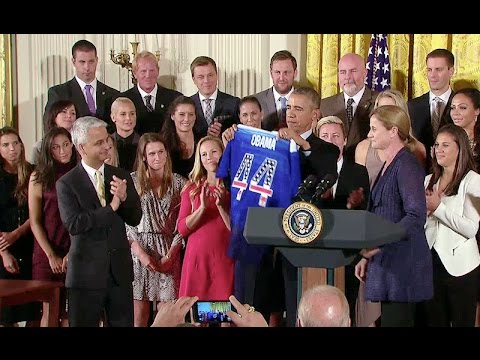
207 271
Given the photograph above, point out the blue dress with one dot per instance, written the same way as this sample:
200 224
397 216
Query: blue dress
402 271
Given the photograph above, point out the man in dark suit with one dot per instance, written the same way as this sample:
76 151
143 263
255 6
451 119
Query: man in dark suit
216 111
351 191
95 201
90 96
317 157
354 104
283 69
151 99
430 111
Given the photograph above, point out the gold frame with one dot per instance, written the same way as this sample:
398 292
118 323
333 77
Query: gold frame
6 89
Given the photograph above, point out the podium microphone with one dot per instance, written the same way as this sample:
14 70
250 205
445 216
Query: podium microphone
326 183
305 187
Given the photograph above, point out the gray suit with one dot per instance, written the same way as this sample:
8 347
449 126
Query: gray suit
270 116
335 105
100 268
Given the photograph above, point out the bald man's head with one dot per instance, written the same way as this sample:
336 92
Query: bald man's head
323 306
351 73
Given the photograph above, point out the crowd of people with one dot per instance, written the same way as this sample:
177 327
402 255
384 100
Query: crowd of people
132 199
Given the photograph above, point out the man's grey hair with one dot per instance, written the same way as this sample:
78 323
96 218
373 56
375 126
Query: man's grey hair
324 306
82 125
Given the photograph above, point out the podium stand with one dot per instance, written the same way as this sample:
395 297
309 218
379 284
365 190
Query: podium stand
344 233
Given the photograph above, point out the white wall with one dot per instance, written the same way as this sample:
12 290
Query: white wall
44 60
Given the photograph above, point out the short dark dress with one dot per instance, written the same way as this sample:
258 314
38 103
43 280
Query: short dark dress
57 234
11 217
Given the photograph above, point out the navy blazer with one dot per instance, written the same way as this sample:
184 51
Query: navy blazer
71 90
149 121
226 106
322 159
99 241
401 271
352 177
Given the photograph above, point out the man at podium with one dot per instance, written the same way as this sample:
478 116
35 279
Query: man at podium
317 157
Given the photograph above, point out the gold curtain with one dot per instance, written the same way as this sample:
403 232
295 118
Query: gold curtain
407 59
6 92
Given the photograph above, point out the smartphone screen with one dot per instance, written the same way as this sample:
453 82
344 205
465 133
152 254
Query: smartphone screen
211 311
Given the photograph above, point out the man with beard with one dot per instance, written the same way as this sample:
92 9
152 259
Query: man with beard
283 69
354 104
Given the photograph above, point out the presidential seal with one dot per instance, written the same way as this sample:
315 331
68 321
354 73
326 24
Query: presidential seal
302 222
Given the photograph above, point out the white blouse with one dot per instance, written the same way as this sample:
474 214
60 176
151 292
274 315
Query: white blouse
452 227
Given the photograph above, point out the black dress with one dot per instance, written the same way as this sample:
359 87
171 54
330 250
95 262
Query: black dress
11 217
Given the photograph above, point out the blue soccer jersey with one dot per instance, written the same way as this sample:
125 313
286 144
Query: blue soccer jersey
264 170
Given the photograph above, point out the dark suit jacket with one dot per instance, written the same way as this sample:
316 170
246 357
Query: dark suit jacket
71 91
270 116
150 121
322 159
335 105
99 244
226 106
419 109
351 177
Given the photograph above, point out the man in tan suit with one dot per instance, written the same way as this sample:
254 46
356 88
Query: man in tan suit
354 104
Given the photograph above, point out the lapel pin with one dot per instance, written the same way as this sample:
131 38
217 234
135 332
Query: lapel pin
162 106
103 92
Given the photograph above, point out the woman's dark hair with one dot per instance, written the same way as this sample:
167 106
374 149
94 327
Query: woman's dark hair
56 108
249 99
45 173
169 132
474 96
463 165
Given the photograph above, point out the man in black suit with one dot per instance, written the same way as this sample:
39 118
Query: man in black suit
150 98
430 111
317 157
216 111
95 201
351 190
283 70
90 96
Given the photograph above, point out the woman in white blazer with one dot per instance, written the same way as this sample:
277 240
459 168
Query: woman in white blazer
453 206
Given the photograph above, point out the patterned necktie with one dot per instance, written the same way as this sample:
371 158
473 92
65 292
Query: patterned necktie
208 110
100 187
283 112
90 101
436 115
148 104
350 101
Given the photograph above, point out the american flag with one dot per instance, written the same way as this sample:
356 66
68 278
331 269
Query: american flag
378 63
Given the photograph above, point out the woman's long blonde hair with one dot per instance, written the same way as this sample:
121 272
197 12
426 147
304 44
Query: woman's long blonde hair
198 174
399 101
392 115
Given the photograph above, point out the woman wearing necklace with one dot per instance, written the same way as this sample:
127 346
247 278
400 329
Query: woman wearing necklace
464 112
453 205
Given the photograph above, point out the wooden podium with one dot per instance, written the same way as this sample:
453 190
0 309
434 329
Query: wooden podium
344 233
